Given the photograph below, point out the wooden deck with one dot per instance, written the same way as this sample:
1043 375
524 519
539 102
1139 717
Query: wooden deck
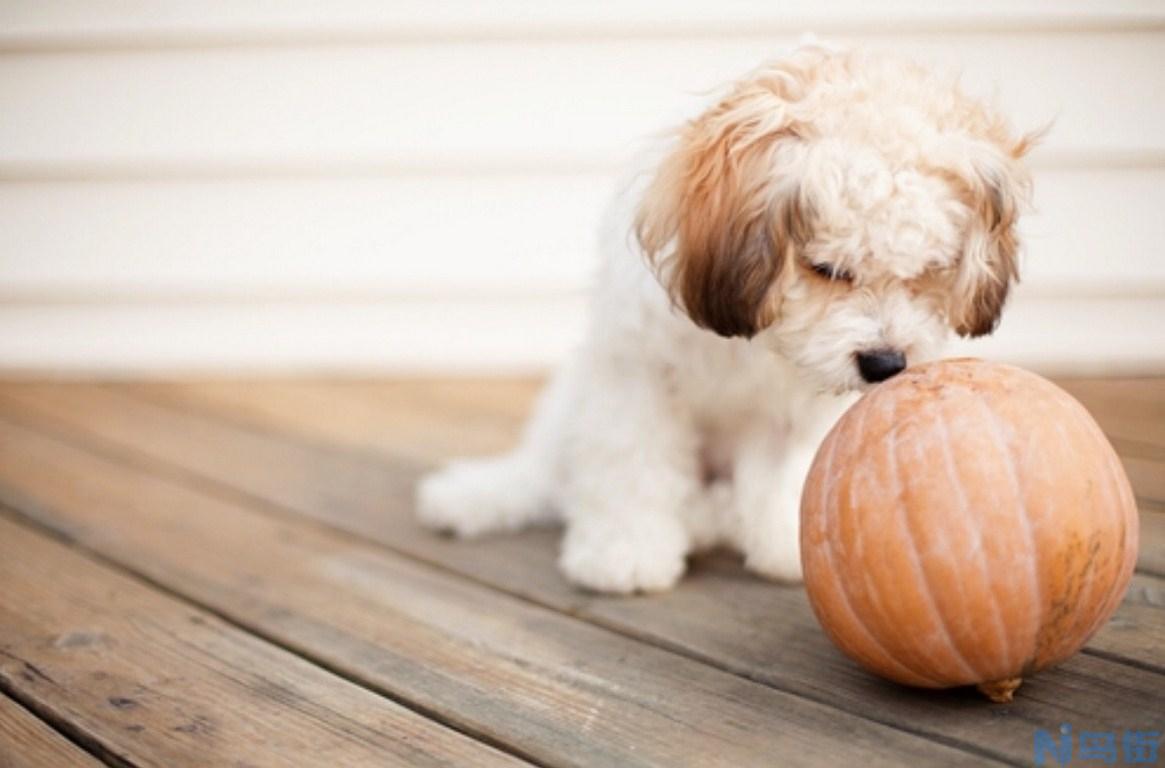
228 573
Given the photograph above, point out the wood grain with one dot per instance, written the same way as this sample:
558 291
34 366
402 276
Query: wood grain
1148 478
1130 411
394 435
554 688
719 615
26 742
1144 395
424 421
1152 559
155 681
426 417
433 419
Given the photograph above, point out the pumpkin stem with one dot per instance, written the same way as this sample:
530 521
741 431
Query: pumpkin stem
1000 691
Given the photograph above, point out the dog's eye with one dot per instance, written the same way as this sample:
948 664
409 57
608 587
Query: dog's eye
830 272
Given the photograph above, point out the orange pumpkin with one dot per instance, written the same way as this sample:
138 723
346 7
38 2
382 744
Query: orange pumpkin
966 523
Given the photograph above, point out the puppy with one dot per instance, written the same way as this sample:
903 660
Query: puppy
829 221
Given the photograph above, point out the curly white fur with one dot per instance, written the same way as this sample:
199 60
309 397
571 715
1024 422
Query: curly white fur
718 356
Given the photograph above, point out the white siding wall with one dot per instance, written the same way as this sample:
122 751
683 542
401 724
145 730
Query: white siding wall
367 186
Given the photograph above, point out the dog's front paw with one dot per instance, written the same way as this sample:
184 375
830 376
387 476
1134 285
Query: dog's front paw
772 545
606 557
777 563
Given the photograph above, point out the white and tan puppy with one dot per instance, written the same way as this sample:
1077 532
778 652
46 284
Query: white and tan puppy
826 223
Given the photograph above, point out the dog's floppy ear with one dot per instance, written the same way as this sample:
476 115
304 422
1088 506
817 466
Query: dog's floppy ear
720 217
998 190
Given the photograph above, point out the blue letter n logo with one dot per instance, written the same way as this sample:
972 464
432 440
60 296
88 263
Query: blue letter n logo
1046 746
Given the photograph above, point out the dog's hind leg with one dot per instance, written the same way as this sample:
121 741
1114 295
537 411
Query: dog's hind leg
476 496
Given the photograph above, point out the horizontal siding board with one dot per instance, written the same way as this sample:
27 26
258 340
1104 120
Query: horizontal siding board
1094 336
440 236
475 104
389 186
393 235
1096 228
1087 336
120 22
401 335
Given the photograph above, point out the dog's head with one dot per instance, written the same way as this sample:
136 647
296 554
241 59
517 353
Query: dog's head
846 209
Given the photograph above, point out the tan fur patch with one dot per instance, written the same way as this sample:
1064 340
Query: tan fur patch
715 200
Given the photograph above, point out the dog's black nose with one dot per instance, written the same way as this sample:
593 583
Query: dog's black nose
880 364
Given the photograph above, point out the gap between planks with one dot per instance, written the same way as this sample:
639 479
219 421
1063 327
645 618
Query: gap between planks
500 404
140 677
444 632
439 418
476 416
63 537
28 742
622 621
1149 538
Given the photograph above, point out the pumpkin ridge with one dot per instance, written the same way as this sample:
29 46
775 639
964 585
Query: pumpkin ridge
920 571
1038 611
966 522
961 492
1115 475
874 608
1091 567
842 585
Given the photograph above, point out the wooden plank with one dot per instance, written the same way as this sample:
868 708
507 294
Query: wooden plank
1144 395
404 421
559 690
1152 559
1137 631
1142 399
413 419
1131 411
156 681
26 742
429 420
441 418
426 417
389 417
732 620
1147 477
